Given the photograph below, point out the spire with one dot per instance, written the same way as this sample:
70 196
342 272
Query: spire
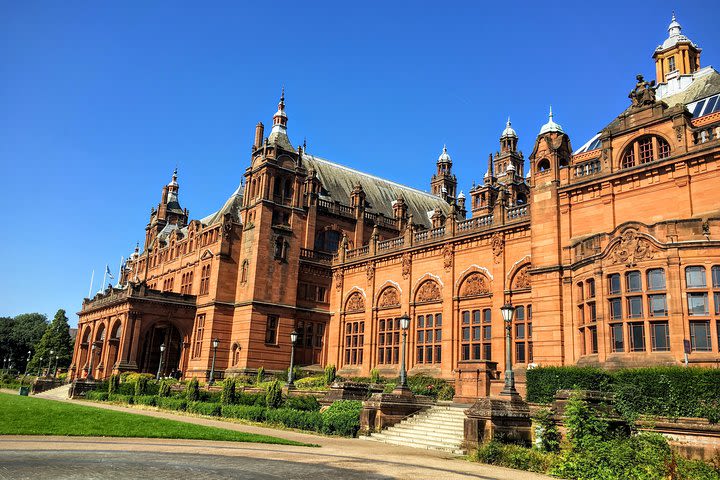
674 28
174 182
444 156
509 131
551 126
278 134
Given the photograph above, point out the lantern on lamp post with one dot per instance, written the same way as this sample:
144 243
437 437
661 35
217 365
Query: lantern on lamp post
162 354
291 373
404 325
508 311
215 344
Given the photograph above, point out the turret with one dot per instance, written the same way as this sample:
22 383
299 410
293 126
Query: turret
676 56
443 182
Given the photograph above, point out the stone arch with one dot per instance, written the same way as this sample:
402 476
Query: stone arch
660 140
521 278
355 302
474 284
467 272
114 343
389 297
428 292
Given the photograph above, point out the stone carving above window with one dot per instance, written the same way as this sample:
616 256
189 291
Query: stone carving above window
406 265
521 279
447 252
498 246
390 297
355 303
370 272
338 279
474 284
428 292
631 248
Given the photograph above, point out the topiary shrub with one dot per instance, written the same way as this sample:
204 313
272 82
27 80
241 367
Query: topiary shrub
149 400
227 396
141 385
295 418
244 412
342 418
375 376
253 399
113 383
260 377
192 390
330 372
306 403
171 403
164 389
204 408
273 395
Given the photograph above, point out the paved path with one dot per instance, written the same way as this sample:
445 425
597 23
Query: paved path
338 458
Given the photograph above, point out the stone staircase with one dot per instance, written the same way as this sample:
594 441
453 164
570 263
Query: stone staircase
438 428
58 393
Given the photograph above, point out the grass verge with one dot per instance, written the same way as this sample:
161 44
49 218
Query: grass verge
35 416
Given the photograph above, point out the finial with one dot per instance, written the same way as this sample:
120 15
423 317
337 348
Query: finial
508 122
551 115
304 143
137 246
282 95
673 16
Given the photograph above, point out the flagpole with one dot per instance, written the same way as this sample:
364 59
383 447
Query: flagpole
102 285
92 278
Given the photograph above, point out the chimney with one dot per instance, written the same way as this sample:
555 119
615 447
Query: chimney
259 132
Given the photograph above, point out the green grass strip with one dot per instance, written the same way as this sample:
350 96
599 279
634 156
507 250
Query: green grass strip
35 416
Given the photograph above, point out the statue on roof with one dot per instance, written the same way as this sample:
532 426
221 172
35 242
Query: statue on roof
643 93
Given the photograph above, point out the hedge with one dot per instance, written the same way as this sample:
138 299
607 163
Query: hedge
204 408
244 412
663 391
290 418
119 398
256 399
150 400
342 418
306 403
172 403
97 396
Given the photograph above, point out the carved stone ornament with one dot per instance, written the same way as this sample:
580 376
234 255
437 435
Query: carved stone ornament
679 133
370 272
406 264
643 93
498 245
522 278
338 275
390 297
474 284
447 252
631 249
428 292
706 229
355 303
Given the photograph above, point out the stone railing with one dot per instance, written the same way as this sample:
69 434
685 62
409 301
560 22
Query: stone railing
706 134
514 213
476 223
587 168
336 208
392 243
421 236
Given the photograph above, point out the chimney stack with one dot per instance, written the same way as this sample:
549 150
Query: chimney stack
259 132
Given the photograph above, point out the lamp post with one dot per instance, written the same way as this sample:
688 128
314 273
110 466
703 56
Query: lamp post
291 373
52 352
162 353
5 360
40 366
404 325
90 366
508 310
57 357
215 344
27 363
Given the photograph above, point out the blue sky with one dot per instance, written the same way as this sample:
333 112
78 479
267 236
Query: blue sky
101 101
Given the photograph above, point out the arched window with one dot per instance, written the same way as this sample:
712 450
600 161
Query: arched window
645 150
543 165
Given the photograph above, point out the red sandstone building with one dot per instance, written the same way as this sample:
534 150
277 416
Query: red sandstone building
611 254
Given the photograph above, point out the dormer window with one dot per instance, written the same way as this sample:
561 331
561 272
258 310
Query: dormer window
644 150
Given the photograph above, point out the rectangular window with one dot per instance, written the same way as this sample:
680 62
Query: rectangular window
205 279
660 336
593 340
616 332
271 329
475 334
634 282
656 279
592 312
429 336
615 308
716 276
637 337
698 303
695 277
614 283
591 288
671 64
657 305
199 331
354 342
700 336
389 340
520 352
646 150
716 301
635 309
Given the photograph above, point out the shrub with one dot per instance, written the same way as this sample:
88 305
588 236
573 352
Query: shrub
164 389
204 408
244 412
260 377
170 403
585 428
311 383
150 400
514 456
425 385
548 432
295 418
342 418
97 396
118 398
126 388
141 385
113 383
255 399
544 382
696 470
227 396
273 394
375 376
192 390
330 372
446 392
306 403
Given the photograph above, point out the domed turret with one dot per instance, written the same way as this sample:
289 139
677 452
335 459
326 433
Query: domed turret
551 126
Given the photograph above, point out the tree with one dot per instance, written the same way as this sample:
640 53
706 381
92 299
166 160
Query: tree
57 339
26 331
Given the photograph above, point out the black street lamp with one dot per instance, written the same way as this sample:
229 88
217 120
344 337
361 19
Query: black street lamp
27 363
5 360
291 373
508 311
57 357
162 353
215 344
90 365
47 374
404 325
40 366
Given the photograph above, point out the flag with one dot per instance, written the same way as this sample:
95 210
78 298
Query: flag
107 272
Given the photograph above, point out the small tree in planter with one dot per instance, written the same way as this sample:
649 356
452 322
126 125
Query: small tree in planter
273 396
330 372
227 396
192 390
260 375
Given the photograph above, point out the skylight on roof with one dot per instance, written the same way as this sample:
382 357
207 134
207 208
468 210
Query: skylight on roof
705 106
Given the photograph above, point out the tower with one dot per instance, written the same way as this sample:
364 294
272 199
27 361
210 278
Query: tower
169 213
676 56
444 183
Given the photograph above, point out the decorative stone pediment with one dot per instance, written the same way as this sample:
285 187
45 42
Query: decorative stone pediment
474 284
631 248
428 292
389 298
521 279
206 254
355 303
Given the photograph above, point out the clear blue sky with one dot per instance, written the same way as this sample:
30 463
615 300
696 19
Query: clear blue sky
100 102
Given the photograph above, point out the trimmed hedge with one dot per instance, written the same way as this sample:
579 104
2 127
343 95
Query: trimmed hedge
119 398
204 408
342 418
97 396
244 412
290 418
149 400
306 403
663 391
256 399
172 403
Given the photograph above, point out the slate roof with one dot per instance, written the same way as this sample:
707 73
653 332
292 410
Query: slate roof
232 205
380 194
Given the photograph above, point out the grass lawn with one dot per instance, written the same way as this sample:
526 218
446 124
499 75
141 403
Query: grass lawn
36 416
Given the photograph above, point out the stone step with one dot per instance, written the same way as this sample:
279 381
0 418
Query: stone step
453 439
436 422
457 432
454 449
58 393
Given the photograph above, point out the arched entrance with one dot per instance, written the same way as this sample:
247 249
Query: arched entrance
161 334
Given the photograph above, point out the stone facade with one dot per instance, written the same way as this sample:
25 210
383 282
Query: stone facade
610 253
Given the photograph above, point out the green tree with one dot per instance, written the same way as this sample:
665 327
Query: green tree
57 339
26 330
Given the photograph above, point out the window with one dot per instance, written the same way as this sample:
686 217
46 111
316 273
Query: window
327 241
656 279
475 334
186 283
429 338
615 308
700 336
244 271
168 284
635 307
616 334
199 330
671 64
354 342
523 334
695 277
205 279
634 284
590 288
657 306
271 329
644 150
281 249
593 339
628 158
637 336
614 283
716 276
698 304
660 336
389 341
